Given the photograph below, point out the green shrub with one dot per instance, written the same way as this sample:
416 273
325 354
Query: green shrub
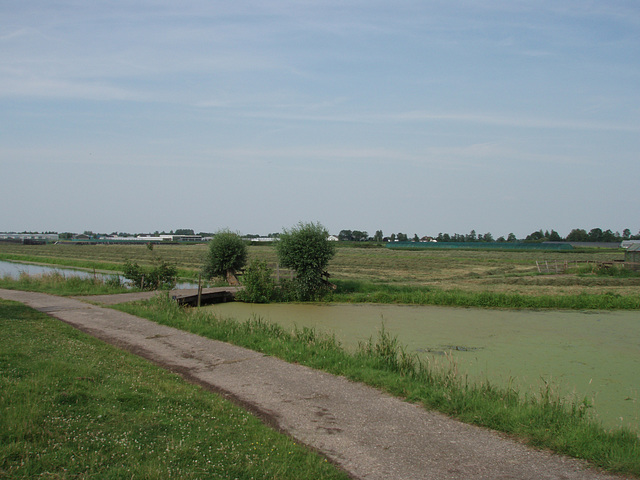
258 283
160 276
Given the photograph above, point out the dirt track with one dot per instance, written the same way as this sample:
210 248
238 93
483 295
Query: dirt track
369 434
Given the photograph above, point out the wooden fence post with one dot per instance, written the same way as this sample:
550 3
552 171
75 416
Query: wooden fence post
199 289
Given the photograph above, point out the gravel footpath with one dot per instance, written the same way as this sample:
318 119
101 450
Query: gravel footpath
369 434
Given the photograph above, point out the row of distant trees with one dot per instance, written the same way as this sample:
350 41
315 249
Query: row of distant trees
91 234
576 235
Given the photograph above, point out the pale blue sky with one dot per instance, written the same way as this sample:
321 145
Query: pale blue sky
409 116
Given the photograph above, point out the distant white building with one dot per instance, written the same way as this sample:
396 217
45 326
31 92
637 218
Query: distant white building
332 238
26 237
170 238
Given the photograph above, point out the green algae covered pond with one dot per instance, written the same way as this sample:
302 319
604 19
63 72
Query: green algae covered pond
581 354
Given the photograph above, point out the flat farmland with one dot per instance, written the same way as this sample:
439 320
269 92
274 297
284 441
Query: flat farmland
467 270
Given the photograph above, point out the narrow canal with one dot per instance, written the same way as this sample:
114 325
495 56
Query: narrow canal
582 354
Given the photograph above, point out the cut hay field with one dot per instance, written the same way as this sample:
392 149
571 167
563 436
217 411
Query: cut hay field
466 270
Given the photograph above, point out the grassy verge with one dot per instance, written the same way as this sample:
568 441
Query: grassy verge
64 262
543 420
80 264
59 284
73 407
362 292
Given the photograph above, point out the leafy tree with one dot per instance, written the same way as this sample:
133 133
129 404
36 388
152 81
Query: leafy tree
626 234
227 254
595 235
578 235
536 236
378 237
554 236
393 237
609 236
345 235
359 236
184 231
306 249
416 238
511 238
402 237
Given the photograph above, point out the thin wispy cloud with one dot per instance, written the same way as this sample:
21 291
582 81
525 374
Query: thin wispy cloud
425 117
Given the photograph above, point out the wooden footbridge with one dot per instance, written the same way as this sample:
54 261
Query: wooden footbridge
203 296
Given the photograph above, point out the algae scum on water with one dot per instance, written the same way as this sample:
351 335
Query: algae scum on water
592 355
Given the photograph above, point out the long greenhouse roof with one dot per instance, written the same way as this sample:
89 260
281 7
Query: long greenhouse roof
482 245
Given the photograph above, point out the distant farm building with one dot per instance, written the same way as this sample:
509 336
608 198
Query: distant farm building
170 238
632 257
29 238
628 243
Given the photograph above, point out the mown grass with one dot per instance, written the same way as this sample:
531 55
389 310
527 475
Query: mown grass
544 420
73 407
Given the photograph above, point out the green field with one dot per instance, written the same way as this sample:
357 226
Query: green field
454 272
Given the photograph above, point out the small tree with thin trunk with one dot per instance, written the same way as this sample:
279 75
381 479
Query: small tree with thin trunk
307 250
227 254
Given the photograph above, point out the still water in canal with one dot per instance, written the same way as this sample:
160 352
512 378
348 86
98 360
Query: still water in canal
586 354
14 270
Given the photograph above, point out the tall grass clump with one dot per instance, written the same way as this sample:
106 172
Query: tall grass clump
618 271
545 419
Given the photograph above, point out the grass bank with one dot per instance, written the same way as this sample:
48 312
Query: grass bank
351 291
95 266
544 420
59 284
63 262
73 407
